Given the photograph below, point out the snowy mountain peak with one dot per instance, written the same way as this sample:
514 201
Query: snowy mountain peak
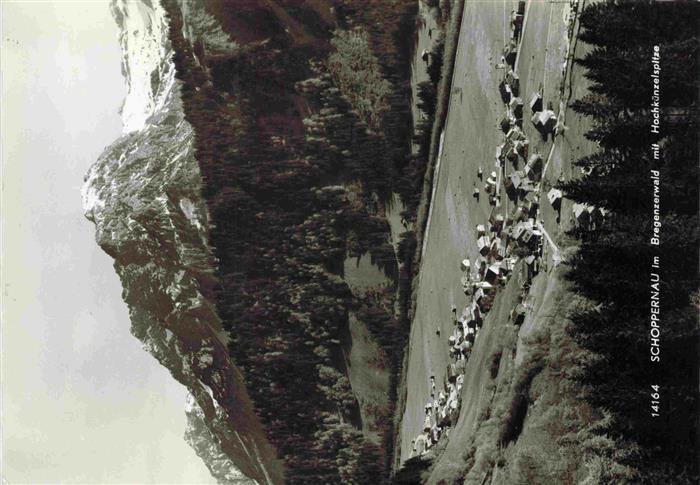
144 195
146 60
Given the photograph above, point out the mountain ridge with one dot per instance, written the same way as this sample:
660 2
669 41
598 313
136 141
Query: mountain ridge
144 196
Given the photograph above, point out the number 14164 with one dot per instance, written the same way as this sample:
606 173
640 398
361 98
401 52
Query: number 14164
655 398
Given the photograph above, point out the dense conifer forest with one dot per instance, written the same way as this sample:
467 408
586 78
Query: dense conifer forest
303 132
613 265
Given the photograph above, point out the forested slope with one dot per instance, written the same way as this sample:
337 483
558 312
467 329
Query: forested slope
301 112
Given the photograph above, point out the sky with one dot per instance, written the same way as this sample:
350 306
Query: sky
82 402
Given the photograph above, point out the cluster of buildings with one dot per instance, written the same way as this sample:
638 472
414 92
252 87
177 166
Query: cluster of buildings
514 233
501 243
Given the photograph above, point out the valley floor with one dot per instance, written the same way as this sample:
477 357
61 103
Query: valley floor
471 136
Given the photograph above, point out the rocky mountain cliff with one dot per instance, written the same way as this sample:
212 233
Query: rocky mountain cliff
144 196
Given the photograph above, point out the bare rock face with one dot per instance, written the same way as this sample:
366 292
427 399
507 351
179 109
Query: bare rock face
144 196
